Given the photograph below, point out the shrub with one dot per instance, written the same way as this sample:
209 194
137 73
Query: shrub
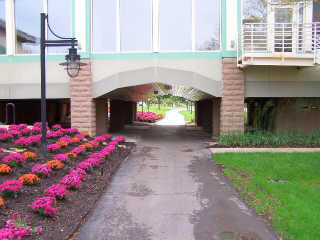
14 159
29 156
58 191
29 179
10 188
45 206
55 164
42 170
5 169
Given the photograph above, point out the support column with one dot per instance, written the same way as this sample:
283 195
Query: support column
83 109
196 113
232 103
216 102
117 115
101 116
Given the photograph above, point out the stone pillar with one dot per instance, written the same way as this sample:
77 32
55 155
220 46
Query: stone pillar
134 106
128 106
232 103
117 115
196 113
83 109
216 102
101 115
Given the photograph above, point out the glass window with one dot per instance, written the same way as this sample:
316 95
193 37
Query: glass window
232 24
135 25
207 25
254 11
27 18
60 19
175 25
3 43
104 25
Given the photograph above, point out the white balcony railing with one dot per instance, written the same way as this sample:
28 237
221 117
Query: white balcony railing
279 44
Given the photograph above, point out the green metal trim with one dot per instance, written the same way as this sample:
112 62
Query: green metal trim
88 26
73 18
224 25
101 56
229 54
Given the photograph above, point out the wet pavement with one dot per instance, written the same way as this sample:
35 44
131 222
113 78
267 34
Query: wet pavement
170 189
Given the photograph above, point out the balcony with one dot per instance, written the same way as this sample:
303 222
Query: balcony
279 44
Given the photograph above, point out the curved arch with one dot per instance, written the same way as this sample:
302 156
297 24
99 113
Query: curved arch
157 75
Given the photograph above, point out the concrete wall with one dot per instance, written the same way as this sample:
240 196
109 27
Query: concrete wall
272 81
202 74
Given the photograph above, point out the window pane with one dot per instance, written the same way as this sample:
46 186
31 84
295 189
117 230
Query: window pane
60 19
27 17
207 24
135 25
104 26
3 44
254 11
232 24
175 25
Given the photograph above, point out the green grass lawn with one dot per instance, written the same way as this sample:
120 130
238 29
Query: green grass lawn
293 206
188 116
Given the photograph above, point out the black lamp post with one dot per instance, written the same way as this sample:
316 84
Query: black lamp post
72 64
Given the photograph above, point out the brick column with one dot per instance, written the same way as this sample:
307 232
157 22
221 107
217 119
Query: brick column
83 109
232 103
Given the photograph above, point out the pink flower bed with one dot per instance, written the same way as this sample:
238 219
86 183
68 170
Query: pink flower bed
148 116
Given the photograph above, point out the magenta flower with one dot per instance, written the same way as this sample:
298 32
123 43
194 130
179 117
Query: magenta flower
58 191
85 165
26 131
56 126
14 159
107 136
80 136
61 157
4 137
72 180
6 233
53 147
10 188
79 150
80 172
66 139
42 170
45 206
23 142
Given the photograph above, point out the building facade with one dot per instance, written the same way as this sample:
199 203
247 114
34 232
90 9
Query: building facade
216 53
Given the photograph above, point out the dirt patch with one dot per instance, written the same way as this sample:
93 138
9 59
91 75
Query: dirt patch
76 206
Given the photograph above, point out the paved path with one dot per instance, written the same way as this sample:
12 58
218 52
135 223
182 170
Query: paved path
170 189
172 117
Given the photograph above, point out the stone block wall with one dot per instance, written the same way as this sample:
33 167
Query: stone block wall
232 102
83 109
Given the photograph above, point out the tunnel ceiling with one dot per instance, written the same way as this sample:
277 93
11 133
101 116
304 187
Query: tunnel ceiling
143 92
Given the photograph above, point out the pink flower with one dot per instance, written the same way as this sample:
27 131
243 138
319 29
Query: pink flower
85 165
6 233
14 133
78 150
14 159
66 139
41 170
58 191
10 187
23 142
107 136
53 147
5 137
56 126
26 131
72 180
80 136
45 206
61 157
80 172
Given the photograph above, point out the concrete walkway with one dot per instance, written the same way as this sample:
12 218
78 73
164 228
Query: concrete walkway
170 189
172 117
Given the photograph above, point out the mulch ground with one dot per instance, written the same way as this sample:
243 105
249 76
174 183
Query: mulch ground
77 204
